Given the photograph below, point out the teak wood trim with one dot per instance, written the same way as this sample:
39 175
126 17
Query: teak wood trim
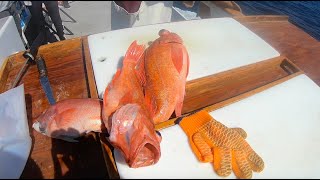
4 71
222 104
106 147
218 87
89 69
287 66
261 18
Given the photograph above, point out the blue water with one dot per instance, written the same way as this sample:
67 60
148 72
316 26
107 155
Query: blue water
304 14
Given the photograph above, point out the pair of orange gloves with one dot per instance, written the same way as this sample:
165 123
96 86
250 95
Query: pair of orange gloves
225 147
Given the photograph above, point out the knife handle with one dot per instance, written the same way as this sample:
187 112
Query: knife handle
29 57
42 68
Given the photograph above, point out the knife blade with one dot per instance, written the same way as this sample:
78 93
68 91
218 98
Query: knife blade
44 80
30 56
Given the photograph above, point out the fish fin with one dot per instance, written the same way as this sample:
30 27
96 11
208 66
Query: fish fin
134 52
140 70
117 74
178 108
151 104
180 56
176 56
188 62
105 95
179 105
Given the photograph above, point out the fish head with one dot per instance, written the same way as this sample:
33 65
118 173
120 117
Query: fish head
43 122
168 37
173 48
38 127
46 124
133 133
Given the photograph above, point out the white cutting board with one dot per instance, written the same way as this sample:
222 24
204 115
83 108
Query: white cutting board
214 45
282 124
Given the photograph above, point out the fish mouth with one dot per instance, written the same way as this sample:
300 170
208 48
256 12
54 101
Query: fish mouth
37 126
147 153
169 37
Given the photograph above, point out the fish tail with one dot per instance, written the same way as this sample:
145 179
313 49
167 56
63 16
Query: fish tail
105 96
140 71
116 76
134 52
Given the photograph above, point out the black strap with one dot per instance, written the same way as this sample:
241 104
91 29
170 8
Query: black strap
36 44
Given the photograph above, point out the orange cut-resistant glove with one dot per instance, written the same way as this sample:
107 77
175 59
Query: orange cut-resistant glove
226 148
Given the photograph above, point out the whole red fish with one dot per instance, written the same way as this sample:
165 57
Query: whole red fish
126 116
70 118
163 71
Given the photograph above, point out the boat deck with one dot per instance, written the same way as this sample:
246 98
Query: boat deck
71 76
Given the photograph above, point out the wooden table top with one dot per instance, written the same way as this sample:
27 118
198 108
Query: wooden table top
54 158
71 76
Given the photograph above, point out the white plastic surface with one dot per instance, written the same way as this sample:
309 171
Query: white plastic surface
214 45
10 40
282 124
15 141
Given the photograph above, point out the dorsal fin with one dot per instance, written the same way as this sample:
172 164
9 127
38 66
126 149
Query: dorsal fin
177 57
134 53
188 62
140 70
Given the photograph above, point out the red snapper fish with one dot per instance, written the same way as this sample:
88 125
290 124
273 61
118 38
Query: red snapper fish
126 116
70 118
163 71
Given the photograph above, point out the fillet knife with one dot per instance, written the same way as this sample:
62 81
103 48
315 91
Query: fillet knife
44 80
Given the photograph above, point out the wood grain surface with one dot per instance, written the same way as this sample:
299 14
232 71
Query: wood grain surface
289 40
215 88
71 76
